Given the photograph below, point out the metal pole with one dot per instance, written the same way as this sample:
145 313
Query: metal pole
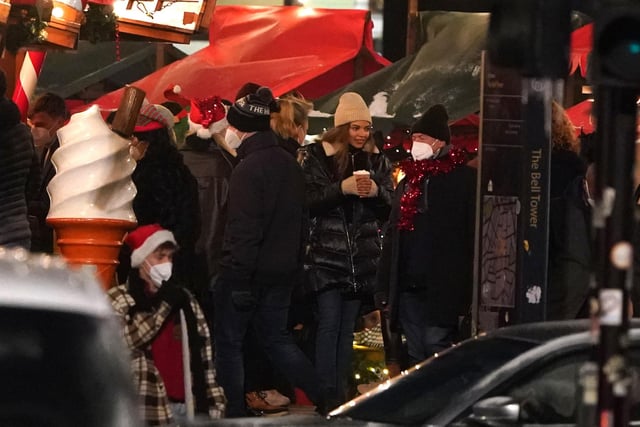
613 223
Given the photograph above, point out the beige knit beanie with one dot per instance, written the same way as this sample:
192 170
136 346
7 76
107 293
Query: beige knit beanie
351 107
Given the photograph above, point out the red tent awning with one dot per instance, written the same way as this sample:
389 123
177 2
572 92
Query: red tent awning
581 43
580 116
314 51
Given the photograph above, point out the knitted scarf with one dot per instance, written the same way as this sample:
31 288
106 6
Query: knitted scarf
415 174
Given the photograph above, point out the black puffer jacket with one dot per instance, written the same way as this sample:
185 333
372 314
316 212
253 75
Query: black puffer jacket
343 253
19 172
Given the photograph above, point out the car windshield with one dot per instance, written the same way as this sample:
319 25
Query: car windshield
423 393
62 369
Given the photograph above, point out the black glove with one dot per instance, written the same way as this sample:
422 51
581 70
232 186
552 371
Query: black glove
173 294
244 300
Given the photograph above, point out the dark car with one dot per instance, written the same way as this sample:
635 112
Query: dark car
522 375
532 368
62 359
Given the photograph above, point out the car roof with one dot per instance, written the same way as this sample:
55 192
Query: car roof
45 282
541 332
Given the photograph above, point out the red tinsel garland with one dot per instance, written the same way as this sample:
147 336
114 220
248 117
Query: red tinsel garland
416 172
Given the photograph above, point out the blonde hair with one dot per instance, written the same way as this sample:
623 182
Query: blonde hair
563 134
338 137
294 112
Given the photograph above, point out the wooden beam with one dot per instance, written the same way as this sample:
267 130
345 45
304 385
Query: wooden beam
412 27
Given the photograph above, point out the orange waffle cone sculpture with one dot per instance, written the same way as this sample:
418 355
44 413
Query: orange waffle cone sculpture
92 241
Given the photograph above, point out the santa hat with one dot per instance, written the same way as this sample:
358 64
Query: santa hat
174 93
206 116
152 117
146 239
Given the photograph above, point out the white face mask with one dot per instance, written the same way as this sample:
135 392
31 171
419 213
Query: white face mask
232 139
160 273
421 150
41 136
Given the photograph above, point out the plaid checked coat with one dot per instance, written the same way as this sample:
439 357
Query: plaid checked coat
140 329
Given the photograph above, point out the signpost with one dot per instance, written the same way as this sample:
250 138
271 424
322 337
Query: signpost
513 198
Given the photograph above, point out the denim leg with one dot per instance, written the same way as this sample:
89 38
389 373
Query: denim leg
270 325
229 332
328 319
423 338
412 317
349 315
334 342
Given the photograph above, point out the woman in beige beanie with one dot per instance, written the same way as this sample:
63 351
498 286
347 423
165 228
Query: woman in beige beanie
349 192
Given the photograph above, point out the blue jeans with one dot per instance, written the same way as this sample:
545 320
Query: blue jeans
423 338
336 319
269 321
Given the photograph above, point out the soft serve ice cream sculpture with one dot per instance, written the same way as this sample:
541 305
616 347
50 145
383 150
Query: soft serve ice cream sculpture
91 193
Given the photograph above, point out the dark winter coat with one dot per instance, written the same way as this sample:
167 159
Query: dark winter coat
570 255
167 195
211 166
448 227
341 253
41 232
20 174
262 242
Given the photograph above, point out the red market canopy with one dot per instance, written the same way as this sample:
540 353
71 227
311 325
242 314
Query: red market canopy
580 116
314 51
581 43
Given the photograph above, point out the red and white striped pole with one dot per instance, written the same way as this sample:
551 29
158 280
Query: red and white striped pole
28 80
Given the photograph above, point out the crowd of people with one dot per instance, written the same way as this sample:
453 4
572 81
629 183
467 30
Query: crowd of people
248 235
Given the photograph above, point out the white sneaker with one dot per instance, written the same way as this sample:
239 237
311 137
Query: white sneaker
273 397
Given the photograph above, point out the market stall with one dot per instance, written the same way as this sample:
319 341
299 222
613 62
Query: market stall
314 51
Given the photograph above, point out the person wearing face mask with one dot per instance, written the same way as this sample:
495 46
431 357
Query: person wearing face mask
46 115
267 391
425 277
167 192
291 123
152 305
347 213
19 173
211 165
261 255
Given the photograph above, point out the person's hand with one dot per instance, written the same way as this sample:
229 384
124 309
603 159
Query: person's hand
137 148
373 191
363 185
349 186
244 300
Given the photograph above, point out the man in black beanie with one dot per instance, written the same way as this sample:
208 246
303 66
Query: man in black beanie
261 253
425 273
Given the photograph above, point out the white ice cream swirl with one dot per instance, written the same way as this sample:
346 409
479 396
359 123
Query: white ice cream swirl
93 171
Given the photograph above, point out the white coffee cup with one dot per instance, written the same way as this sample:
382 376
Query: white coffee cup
361 174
